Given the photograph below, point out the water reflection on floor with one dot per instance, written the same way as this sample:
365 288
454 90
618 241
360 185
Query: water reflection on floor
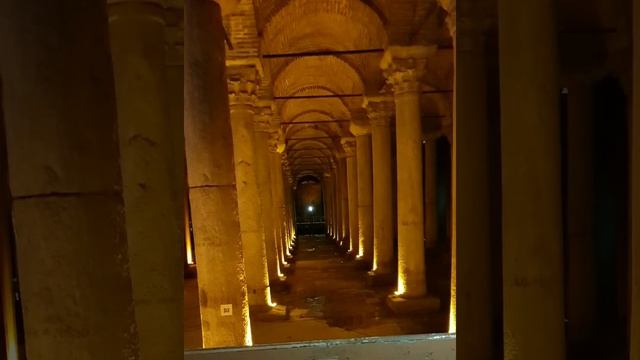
328 298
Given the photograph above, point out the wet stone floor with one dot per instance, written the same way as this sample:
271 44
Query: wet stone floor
327 298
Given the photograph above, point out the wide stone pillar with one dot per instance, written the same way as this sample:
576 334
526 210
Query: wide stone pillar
65 181
478 306
634 320
154 219
430 178
380 112
349 146
403 67
242 82
362 131
532 251
263 176
222 284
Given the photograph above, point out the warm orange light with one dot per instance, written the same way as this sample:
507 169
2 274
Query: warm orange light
402 287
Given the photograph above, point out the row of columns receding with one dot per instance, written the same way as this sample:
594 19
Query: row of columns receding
98 262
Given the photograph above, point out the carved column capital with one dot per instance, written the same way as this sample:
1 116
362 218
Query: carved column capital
243 77
403 66
380 110
348 146
264 116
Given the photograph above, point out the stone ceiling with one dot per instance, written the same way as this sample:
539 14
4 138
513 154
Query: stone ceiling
312 127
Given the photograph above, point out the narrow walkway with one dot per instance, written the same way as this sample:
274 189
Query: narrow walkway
327 299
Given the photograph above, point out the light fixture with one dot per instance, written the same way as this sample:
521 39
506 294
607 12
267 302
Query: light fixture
310 208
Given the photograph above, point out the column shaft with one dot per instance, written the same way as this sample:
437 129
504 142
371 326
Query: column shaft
382 197
276 168
344 192
411 261
266 201
365 197
531 202
65 182
634 319
212 189
476 310
352 189
251 222
154 220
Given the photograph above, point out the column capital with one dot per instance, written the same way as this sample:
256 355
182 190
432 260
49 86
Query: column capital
450 7
380 109
264 116
151 9
348 146
403 66
275 144
360 127
243 78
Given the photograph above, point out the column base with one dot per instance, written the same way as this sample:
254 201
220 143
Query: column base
375 279
424 305
190 271
280 285
269 313
287 269
363 264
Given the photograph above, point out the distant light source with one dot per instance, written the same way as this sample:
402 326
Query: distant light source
310 208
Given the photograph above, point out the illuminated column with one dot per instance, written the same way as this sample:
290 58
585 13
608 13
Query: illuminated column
349 146
337 200
64 175
326 190
532 251
403 67
285 204
242 82
362 131
278 196
380 112
344 193
154 220
261 135
212 190
291 208
634 320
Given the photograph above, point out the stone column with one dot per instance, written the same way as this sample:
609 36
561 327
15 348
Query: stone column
430 211
261 135
285 206
65 181
362 131
349 146
344 193
403 68
222 284
471 195
380 112
242 82
634 320
326 191
337 200
154 224
532 251
278 203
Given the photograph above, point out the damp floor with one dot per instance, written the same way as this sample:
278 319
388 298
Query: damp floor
327 298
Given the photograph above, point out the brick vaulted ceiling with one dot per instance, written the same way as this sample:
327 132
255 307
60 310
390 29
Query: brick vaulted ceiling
312 127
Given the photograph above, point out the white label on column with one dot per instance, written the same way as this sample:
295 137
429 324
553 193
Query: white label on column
226 309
